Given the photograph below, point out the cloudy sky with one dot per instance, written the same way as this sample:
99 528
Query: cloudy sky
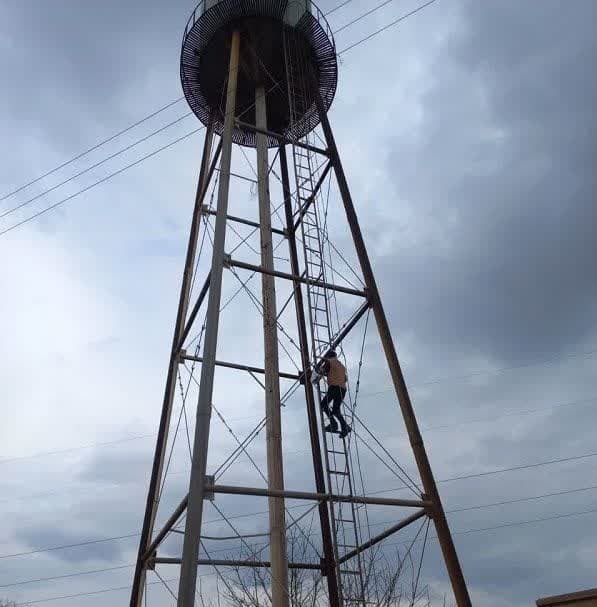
469 140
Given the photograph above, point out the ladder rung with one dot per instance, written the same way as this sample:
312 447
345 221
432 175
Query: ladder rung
338 472
336 452
349 572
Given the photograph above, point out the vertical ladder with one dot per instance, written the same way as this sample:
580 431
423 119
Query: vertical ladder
344 516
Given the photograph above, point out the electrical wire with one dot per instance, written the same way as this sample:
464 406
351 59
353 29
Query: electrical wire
114 136
582 355
93 166
514 413
67 546
461 532
119 171
338 7
386 27
111 175
67 575
366 14
91 149
98 182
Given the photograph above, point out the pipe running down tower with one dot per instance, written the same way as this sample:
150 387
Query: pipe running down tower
262 75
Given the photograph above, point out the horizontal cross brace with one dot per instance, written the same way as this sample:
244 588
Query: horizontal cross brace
382 536
246 222
281 138
248 368
308 281
317 497
302 495
243 177
234 563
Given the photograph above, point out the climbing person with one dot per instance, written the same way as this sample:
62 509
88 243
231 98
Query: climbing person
336 376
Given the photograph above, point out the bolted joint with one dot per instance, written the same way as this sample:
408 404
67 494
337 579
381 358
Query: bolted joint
210 481
204 209
227 261
151 561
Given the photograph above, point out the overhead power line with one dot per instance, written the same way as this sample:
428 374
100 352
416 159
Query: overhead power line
73 545
360 17
108 177
499 371
461 532
469 476
65 576
474 475
100 181
341 5
91 593
386 27
118 134
94 166
550 462
91 149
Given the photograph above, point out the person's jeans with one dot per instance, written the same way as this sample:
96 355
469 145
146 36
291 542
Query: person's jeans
335 395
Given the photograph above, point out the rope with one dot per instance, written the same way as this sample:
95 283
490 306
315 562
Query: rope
379 444
421 561
166 585
253 553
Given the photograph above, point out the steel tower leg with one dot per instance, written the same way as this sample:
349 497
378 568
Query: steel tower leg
190 551
439 517
160 448
273 421
324 515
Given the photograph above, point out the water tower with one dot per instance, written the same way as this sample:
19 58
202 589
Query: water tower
262 74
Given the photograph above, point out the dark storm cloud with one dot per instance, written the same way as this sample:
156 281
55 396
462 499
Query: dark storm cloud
497 264
34 538
73 65
508 147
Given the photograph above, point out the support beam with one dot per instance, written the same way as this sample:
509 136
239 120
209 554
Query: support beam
249 369
273 416
382 536
299 144
188 570
318 497
137 589
246 222
439 517
239 563
195 311
311 198
235 263
349 326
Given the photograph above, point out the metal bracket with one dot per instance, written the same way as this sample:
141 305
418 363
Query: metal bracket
227 263
210 481
151 561
204 209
